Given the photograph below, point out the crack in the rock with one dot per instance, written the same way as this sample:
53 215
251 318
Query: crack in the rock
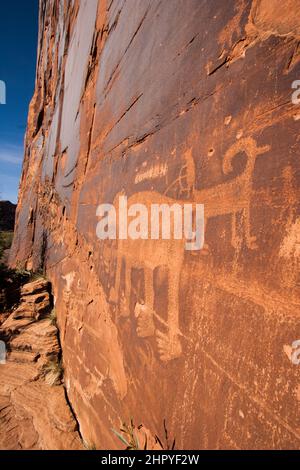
106 90
124 113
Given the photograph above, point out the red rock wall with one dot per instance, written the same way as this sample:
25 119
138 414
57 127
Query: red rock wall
185 100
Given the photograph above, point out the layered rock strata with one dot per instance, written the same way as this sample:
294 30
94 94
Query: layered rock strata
34 409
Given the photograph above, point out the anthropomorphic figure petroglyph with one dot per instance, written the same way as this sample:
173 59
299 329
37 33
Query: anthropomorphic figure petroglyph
150 254
228 198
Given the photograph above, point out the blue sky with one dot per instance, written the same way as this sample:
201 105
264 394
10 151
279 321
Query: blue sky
18 46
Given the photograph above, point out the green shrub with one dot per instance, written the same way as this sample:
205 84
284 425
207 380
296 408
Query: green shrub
5 241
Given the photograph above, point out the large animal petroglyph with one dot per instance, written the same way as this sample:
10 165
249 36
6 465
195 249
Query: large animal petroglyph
232 197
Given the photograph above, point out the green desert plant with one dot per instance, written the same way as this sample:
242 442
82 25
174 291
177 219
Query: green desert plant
36 275
5 241
168 445
53 372
128 436
89 445
22 272
52 317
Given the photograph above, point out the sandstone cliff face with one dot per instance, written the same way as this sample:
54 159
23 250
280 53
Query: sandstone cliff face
171 101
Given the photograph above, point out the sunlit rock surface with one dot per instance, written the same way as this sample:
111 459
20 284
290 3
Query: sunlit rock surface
34 409
187 101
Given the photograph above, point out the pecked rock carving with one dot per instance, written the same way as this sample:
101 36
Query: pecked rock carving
231 198
170 103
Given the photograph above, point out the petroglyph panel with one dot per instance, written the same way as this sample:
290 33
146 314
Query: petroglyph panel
176 102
